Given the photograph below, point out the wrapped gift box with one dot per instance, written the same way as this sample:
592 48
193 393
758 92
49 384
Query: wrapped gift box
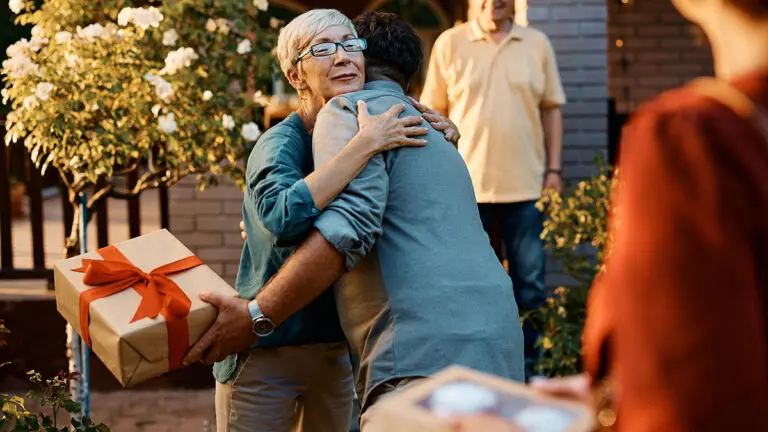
427 405
136 303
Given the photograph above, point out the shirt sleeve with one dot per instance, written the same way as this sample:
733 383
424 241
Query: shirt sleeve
435 92
554 94
352 222
279 196
690 340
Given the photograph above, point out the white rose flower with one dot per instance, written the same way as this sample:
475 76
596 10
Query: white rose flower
223 26
156 110
244 47
125 16
16 6
38 39
170 37
37 32
71 59
20 66
261 5
30 103
176 60
210 25
207 95
143 18
92 32
260 99
163 88
227 122
43 90
62 37
250 131
167 123
274 22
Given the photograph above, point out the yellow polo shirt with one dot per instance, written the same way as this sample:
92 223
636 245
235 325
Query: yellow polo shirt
494 93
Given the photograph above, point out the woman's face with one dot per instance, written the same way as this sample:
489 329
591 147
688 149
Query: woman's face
333 75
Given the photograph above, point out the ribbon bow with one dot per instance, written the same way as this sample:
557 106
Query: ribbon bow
159 295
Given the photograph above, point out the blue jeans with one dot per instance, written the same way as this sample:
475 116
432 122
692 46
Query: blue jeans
521 226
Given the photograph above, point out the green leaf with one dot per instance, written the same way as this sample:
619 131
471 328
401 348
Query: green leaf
71 406
32 422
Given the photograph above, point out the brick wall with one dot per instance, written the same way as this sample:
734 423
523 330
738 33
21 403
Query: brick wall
577 29
207 222
657 50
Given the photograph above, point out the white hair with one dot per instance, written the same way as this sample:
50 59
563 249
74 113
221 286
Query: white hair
297 34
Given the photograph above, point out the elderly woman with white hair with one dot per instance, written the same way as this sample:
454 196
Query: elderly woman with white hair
298 376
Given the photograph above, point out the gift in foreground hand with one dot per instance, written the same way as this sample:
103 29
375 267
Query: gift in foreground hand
136 304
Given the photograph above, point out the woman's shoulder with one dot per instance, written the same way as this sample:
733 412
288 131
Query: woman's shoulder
285 140
684 112
683 102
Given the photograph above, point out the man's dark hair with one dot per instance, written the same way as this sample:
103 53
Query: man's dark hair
394 48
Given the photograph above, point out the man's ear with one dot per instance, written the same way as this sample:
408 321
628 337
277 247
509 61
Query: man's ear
295 79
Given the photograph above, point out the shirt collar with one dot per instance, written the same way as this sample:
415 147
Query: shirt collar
295 120
384 85
477 33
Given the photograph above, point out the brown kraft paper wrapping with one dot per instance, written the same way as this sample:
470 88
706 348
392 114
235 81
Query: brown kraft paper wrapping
137 351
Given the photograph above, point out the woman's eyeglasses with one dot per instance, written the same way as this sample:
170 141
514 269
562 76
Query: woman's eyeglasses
325 49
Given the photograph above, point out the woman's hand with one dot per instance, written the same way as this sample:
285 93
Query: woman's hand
575 387
387 131
439 122
482 423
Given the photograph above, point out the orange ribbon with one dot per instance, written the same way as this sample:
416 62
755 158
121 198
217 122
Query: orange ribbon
159 295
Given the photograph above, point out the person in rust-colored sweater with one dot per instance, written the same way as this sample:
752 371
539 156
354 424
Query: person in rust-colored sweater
678 322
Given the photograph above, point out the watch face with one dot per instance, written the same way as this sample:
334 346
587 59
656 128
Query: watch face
263 326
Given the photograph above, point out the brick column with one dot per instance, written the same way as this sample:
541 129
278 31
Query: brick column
577 29
207 223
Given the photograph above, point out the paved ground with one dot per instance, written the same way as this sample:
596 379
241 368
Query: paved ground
154 411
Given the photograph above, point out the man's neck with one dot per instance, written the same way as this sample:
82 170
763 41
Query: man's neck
495 28
376 75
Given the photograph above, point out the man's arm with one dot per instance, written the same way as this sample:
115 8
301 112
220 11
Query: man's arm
552 117
314 267
346 230
552 123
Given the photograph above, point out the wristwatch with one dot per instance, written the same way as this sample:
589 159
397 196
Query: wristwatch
261 325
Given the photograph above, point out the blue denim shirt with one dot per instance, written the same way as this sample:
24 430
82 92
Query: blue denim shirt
425 289
278 211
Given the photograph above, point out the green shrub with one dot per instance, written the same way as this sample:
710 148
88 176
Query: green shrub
576 231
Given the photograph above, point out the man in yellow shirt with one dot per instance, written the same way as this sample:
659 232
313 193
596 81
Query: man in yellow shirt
500 83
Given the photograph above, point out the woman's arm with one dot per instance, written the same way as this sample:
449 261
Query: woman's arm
377 134
286 204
